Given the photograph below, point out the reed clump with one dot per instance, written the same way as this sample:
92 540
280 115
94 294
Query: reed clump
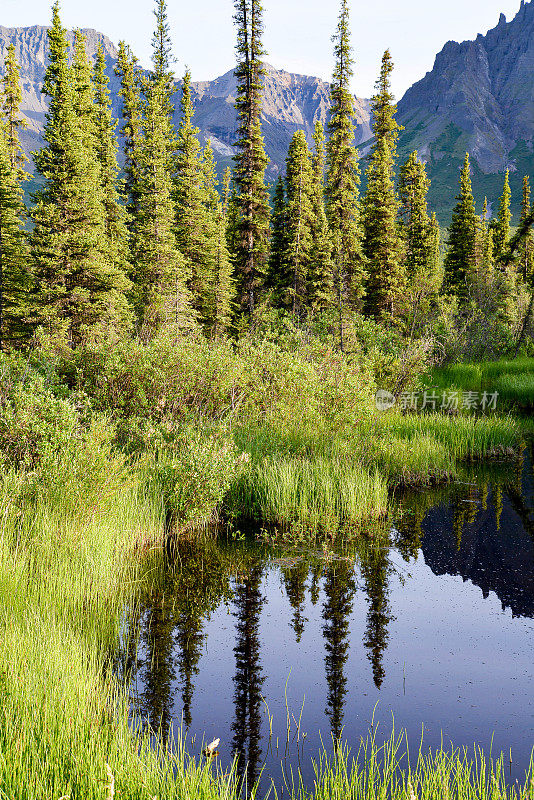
513 381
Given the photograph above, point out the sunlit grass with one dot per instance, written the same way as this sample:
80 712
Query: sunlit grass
513 380
66 576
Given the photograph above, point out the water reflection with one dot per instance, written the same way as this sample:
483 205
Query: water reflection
480 528
248 602
339 589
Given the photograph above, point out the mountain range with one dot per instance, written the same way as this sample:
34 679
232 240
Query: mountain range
479 97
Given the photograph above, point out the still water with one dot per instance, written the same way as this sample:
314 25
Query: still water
432 626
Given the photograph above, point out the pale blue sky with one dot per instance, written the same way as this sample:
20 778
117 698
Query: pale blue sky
297 33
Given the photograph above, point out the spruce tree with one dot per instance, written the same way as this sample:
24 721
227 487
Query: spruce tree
79 291
320 279
221 281
422 241
501 240
162 55
278 275
381 243
190 202
128 70
13 122
462 237
436 267
343 178
106 152
251 240
84 93
416 223
14 256
162 297
299 187
526 256
384 109
502 228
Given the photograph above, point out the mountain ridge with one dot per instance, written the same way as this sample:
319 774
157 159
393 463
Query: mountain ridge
291 101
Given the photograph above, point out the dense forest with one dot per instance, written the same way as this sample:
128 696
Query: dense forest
160 244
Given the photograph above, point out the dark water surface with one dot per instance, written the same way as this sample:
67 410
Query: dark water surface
436 629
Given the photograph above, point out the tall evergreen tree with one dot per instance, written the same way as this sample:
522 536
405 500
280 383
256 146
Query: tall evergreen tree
128 70
501 240
526 257
501 235
13 122
422 242
162 273
343 178
384 109
190 201
84 92
320 280
14 256
221 281
78 289
462 237
381 243
106 152
299 185
162 54
251 202
278 274
413 190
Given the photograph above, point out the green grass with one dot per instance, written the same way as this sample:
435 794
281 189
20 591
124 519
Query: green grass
385 772
304 477
67 571
513 380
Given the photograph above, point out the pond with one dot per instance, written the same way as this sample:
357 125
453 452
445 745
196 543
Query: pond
430 625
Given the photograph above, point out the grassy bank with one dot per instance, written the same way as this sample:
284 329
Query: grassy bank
304 477
512 380
289 435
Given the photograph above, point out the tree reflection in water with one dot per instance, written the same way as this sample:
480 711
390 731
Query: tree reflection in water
339 588
248 680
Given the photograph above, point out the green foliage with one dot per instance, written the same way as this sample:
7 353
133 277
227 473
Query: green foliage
321 279
106 150
462 233
162 297
526 252
512 380
422 240
251 207
15 278
79 291
278 275
201 223
502 227
343 177
299 209
381 243
194 477
130 92
384 109
13 123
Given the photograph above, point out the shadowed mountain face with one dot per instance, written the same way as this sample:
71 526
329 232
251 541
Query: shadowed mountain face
479 97
291 102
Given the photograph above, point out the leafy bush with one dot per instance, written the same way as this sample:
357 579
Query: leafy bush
194 479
